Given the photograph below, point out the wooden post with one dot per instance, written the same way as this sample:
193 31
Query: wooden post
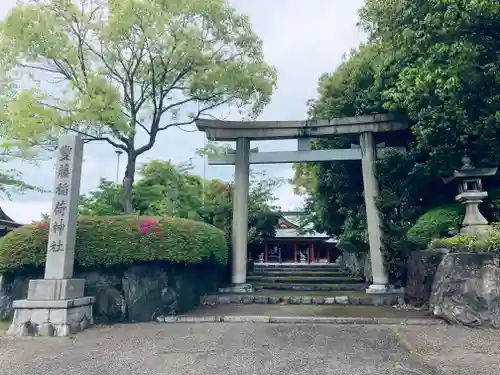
312 253
265 253
294 253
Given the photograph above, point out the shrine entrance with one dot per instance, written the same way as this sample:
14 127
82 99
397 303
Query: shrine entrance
294 243
369 133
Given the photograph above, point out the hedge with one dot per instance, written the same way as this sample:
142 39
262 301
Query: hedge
471 243
119 240
443 221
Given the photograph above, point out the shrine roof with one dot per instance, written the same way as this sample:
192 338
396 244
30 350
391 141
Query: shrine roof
292 225
6 221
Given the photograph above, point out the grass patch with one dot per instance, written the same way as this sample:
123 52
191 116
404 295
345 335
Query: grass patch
4 326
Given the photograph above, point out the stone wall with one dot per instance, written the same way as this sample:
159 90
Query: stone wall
140 292
422 266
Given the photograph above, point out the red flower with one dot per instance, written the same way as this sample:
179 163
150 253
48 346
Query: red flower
43 225
145 225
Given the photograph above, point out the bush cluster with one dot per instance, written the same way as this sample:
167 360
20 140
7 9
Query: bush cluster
119 240
471 243
443 221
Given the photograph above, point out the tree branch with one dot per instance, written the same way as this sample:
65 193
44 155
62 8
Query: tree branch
96 138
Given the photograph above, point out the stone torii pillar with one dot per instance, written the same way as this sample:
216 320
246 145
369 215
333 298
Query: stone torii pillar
240 216
371 193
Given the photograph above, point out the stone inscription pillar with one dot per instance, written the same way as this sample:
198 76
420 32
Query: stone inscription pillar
56 305
240 211
371 192
62 234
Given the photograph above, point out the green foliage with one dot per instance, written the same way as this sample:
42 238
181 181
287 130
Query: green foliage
104 201
448 81
443 221
436 63
119 240
168 190
489 243
110 70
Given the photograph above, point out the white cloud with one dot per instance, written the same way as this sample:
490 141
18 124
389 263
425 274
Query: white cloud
301 39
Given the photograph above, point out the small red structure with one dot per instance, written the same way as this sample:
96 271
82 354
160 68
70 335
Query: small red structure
295 242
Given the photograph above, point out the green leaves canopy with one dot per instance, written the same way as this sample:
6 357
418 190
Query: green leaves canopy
113 69
435 61
106 68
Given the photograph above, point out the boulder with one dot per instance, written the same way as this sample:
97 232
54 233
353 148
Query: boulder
5 300
105 286
422 266
367 268
12 288
146 292
355 264
466 289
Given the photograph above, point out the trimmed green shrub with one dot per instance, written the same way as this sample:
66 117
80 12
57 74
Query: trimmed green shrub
443 221
470 243
119 240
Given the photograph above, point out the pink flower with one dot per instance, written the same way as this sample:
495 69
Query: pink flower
43 225
145 225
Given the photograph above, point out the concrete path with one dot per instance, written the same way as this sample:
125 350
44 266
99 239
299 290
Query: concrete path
308 310
252 348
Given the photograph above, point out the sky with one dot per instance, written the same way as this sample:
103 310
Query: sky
302 39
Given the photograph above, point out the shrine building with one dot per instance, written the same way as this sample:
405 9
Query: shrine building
296 243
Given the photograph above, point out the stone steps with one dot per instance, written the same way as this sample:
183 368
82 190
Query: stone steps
295 267
269 273
299 279
303 277
308 287
373 300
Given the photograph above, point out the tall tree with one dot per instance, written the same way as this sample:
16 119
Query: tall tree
437 62
448 81
113 69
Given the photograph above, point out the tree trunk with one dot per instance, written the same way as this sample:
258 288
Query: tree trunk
128 183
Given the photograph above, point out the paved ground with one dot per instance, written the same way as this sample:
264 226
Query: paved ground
244 349
308 310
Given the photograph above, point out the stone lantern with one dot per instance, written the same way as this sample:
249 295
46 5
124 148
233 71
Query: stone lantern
471 194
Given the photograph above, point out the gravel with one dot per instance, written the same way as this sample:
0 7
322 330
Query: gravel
254 348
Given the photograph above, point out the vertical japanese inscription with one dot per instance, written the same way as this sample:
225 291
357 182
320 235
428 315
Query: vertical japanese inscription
61 191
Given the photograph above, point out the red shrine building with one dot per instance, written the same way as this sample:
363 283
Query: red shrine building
295 242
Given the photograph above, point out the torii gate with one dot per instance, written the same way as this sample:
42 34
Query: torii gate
244 131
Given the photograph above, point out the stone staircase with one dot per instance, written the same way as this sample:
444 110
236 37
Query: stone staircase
308 277
307 284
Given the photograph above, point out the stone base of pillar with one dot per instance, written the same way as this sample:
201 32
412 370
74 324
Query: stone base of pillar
55 289
238 288
384 289
51 317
